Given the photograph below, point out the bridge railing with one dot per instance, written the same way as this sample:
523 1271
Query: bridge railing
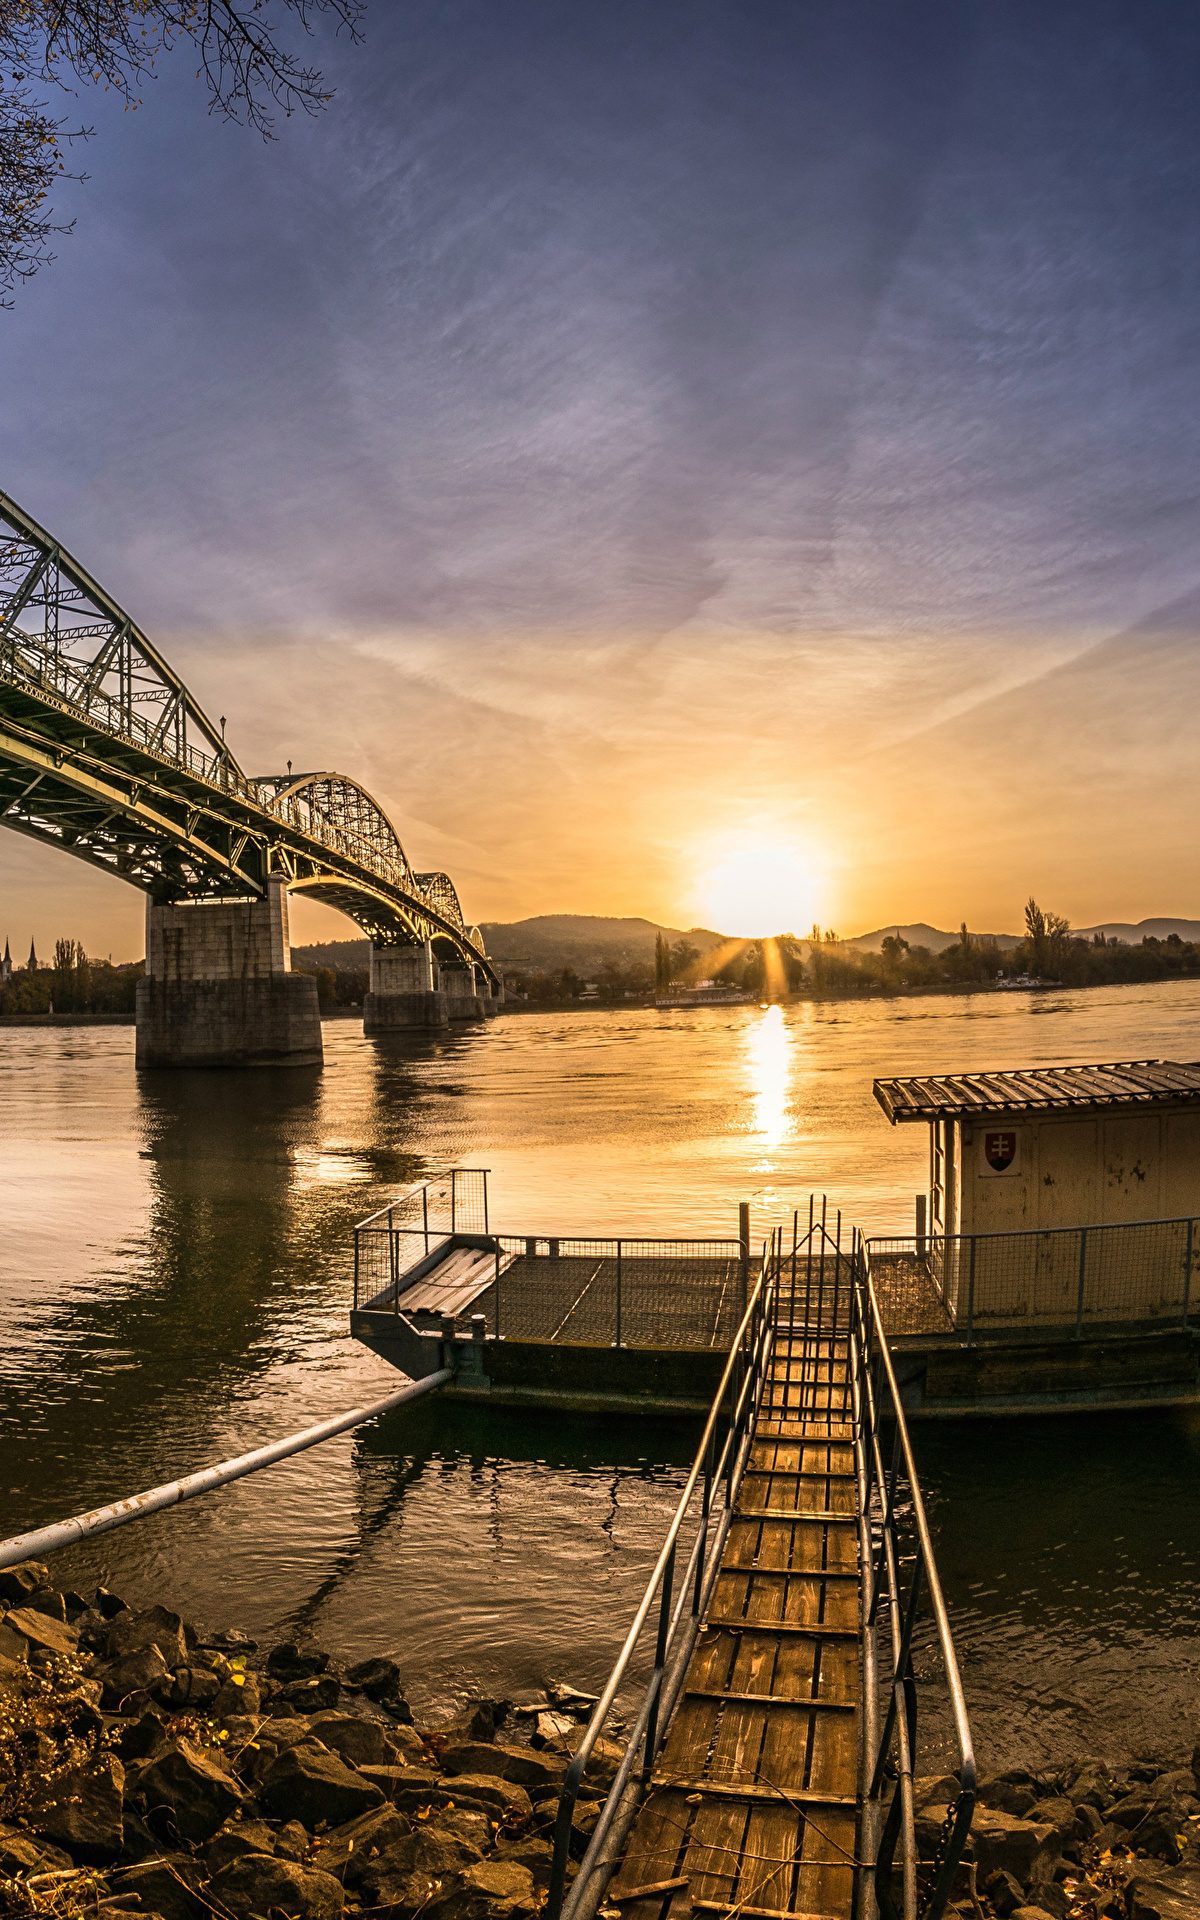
1059 1282
666 1623
31 659
153 715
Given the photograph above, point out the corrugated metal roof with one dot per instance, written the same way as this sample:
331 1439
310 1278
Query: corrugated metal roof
1127 1083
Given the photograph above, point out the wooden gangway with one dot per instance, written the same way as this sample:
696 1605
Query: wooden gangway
769 1772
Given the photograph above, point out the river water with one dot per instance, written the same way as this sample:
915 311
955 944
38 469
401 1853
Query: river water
175 1261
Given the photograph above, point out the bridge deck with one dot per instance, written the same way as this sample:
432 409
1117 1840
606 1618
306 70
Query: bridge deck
753 1807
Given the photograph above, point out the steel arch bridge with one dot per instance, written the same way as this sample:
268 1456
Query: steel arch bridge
105 754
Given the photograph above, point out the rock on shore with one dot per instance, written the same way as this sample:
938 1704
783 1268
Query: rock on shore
1089 1842
173 1773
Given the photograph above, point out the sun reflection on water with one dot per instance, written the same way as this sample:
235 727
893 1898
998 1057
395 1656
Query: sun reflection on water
770 1050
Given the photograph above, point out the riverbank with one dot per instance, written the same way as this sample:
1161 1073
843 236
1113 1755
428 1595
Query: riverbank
647 1003
149 1764
67 1019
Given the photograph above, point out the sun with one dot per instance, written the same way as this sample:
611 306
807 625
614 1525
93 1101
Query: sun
761 887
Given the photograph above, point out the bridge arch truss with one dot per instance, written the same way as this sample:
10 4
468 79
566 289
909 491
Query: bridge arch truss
105 754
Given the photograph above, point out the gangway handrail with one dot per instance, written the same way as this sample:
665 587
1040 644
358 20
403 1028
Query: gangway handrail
718 1475
873 1376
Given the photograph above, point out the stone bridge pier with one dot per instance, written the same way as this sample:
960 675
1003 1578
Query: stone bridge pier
466 992
404 990
219 990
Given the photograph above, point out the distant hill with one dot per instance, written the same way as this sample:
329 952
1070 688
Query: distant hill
344 956
920 935
1144 930
583 941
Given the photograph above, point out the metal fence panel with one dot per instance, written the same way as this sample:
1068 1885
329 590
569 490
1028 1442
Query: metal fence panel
582 1292
1062 1280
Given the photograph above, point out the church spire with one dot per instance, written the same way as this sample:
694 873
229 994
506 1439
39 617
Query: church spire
32 957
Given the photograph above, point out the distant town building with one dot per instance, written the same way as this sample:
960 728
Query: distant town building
6 966
33 959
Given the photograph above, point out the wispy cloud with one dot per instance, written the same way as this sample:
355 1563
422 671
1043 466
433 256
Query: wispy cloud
606 433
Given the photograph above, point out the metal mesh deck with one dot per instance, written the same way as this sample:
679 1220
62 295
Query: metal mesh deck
573 1298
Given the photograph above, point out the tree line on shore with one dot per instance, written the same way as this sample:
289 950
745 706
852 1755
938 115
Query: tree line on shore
74 982
824 964
337 986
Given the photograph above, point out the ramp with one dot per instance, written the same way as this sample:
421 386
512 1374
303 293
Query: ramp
769 1773
460 1278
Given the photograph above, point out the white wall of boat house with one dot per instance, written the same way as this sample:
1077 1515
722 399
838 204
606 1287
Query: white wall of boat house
1074 1169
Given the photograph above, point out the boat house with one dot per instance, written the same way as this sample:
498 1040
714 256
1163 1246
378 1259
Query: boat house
1041 1148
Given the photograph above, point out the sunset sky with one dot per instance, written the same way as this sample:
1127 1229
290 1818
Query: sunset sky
628 437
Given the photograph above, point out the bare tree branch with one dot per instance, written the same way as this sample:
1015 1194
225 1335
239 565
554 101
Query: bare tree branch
65 44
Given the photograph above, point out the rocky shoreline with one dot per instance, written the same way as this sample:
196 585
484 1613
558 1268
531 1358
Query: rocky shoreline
149 1768
1085 1842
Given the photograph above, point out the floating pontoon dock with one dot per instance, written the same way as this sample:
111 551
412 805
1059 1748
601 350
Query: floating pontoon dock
1045 1320
581 1322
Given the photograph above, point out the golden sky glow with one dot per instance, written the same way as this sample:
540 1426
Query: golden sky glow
743 502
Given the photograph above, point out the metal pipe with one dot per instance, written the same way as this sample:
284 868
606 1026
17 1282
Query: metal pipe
971 1296
744 1239
68 1533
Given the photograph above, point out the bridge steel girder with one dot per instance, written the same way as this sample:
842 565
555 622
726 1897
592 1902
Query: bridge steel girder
83 768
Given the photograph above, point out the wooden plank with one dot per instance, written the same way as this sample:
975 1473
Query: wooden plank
653 1849
690 1736
755 1657
801 1704
714 1851
773 1840
777 1626
737 1746
824 1515
825 1877
735 1790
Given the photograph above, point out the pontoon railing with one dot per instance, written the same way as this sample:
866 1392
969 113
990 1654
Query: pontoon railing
1058 1281
593 1290
397 1236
